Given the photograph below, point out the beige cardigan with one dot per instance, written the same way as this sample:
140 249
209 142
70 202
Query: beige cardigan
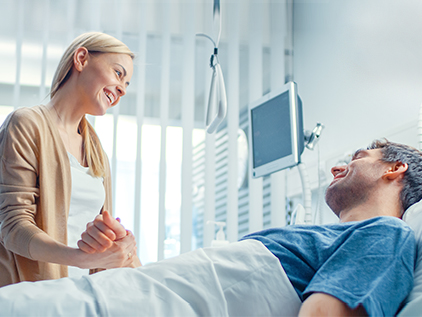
35 189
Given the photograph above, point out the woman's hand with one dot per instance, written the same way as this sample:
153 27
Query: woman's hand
101 233
136 262
121 253
106 236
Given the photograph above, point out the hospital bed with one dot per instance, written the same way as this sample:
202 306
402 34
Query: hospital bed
210 284
413 305
226 281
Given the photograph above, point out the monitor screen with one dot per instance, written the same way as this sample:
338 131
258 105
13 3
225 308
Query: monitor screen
271 130
276 131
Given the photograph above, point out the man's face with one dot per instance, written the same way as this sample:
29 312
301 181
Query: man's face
354 182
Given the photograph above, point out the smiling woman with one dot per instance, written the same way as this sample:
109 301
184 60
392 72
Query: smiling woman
54 174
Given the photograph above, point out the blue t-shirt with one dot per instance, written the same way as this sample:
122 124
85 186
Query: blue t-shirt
368 262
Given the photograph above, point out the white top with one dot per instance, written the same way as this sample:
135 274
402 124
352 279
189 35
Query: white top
86 201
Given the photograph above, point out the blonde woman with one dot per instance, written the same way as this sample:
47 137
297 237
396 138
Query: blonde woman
54 174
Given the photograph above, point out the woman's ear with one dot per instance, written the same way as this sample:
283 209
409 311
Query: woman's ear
395 171
80 58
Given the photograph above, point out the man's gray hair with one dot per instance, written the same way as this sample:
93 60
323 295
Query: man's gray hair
412 180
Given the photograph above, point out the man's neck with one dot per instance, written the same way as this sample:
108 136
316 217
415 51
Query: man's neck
369 210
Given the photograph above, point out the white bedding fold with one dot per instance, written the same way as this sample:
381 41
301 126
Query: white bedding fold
241 279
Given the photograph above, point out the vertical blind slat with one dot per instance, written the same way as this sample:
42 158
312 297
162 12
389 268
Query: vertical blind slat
255 91
209 192
44 49
19 40
278 33
118 25
140 108
95 24
164 105
71 8
209 172
232 119
95 19
188 111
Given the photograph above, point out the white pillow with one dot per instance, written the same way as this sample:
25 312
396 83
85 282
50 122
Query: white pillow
413 217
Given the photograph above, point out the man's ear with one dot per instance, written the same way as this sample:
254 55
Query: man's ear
395 171
80 58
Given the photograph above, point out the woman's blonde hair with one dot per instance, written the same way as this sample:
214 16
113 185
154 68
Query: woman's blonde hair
94 42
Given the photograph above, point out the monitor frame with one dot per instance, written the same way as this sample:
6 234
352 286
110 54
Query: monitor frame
296 132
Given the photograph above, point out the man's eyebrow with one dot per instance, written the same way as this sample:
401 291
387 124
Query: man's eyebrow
124 73
359 152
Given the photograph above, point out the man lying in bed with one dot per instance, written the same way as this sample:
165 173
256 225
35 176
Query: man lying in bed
362 265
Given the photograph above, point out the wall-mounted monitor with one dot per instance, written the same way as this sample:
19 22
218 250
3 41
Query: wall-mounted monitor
276 139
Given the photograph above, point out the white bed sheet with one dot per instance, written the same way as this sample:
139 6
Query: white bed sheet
241 279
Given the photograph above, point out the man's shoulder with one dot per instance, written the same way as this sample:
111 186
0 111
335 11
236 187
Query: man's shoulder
384 225
373 228
387 221
387 229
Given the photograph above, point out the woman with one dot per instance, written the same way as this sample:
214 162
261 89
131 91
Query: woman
54 174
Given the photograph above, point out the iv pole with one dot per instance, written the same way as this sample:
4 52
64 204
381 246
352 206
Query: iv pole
217 102
303 215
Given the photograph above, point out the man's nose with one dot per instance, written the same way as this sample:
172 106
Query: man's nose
338 169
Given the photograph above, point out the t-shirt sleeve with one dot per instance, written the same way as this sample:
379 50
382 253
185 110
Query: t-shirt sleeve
373 267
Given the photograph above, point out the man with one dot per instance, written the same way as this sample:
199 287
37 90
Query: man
342 269
362 265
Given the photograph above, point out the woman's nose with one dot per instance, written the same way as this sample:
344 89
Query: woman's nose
121 90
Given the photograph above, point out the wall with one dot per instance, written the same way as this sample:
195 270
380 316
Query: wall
357 64
358 68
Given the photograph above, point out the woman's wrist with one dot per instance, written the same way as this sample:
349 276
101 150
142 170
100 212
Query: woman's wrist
78 258
136 262
44 248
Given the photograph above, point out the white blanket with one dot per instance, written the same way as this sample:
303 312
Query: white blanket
241 279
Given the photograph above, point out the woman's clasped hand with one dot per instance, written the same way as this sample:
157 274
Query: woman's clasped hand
107 241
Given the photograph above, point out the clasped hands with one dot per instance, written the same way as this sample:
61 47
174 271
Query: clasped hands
106 239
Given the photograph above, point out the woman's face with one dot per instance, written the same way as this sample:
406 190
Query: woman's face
102 81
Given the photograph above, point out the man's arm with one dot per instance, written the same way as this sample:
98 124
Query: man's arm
321 304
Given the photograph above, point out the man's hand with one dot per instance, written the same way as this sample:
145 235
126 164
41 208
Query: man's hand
321 304
101 233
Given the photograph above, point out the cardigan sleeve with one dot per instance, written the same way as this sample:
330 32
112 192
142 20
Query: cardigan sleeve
18 182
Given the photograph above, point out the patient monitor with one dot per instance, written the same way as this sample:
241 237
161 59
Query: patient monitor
276 136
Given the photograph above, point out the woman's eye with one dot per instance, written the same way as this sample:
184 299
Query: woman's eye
118 72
